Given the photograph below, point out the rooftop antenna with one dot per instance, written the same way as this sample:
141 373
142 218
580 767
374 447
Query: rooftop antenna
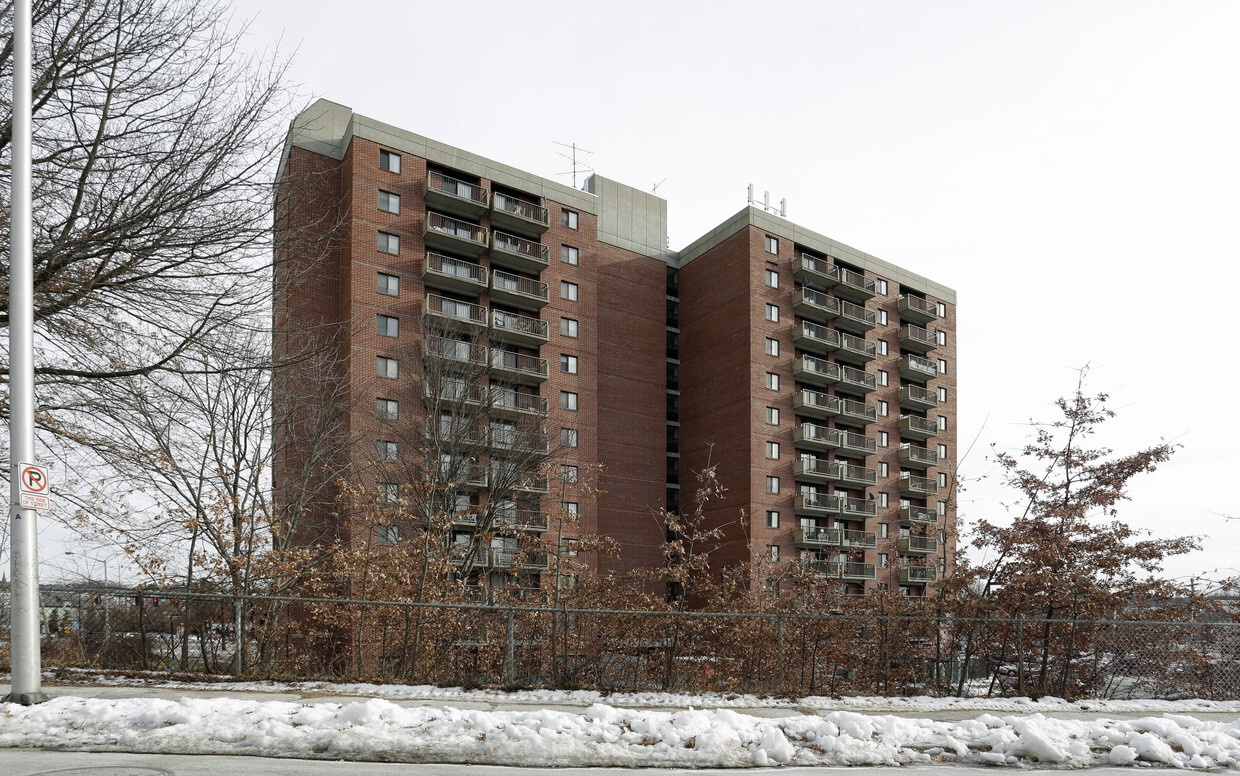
766 203
573 159
655 188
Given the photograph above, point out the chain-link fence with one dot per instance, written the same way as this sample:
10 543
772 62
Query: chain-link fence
784 653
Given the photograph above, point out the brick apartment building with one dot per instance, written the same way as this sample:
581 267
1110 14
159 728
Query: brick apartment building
819 380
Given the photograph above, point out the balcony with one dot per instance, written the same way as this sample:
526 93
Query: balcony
914 309
517 291
856 381
455 275
461 476
817 470
856 445
518 367
453 430
912 486
810 436
856 572
452 234
913 516
855 318
815 371
815 305
815 338
914 427
914 397
521 519
815 537
917 339
815 404
854 285
517 329
917 575
506 401
518 215
509 439
856 350
914 457
518 253
533 483
858 508
453 314
918 368
458 351
918 545
856 413
503 558
816 505
813 271
453 391
454 196
860 540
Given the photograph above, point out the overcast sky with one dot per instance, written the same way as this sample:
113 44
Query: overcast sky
1070 168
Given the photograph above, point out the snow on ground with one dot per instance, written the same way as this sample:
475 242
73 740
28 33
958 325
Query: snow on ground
605 735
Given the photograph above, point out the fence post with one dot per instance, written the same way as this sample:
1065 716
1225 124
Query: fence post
1020 657
779 633
510 668
237 638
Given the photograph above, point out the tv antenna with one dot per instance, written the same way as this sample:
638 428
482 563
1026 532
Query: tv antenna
766 203
573 158
655 188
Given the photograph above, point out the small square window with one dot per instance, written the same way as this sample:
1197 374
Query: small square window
389 326
568 548
942 422
389 202
568 254
772 484
389 243
772 278
568 327
942 452
571 508
942 366
388 285
568 437
941 309
882 377
772 518
882 408
882 347
772 553
568 218
942 394
882 499
387 534
880 286
772 381
568 473
389 161
385 450
883 531
942 479
882 317
772 347
940 337
772 313
386 409
568 401
772 415
882 469
772 450
387 367
568 364
882 439
568 291
772 245
389 493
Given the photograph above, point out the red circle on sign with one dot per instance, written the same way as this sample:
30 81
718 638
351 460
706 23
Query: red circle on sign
33 479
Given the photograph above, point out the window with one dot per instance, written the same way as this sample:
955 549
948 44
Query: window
772 450
386 409
882 560
883 530
568 291
942 451
942 479
568 548
387 534
941 309
942 422
772 415
772 278
772 245
882 500
882 347
389 326
568 327
568 473
772 381
389 243
772 347
388 285
570 508
942 394
882 377
772 312
882 317
389 202
941 508
940 337
568 218
568 254
389 161
882 439
568 437
386 367
882 469
568 364
385 450
568 401
389 493
772 484
772 518
882 408
880 286
772 553
942 366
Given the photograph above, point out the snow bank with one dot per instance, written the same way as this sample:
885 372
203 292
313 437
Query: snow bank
604 735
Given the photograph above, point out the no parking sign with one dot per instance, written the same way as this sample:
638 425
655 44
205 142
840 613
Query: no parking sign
35 487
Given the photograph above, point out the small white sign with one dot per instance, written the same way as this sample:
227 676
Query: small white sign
34 486
39 503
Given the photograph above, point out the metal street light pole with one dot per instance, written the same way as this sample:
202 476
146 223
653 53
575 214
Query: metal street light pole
25 686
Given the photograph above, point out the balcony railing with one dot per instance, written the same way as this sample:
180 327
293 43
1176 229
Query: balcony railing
911 515
813 271
815 337
815 305
914 337
519 291
815 404
915 427
855 318
510 327
918 545
816 503
857 445
455 195
918 368
917 310
856 381
520 365
518 253
917 487
917 457
859 507
455 310
857 571
454 234
916 397
816 536
518 214
453 274
854 285
507 399
815 437
502 558
507 439
525 519
858 350
816 371
818 469
859 539
456 350
856 413
454 428
917 574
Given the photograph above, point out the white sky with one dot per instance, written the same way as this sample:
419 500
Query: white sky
1070 168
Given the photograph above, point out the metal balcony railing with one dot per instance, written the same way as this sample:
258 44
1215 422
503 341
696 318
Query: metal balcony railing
528 248
861 539
535 327
917 574
919 544
916 454
518 362
456 350
859 506
455 309
437 181
515 284
522 208
456 268
918 486
456 227
868 318
915 394
918 425
813 535
859 410
515 401
858 378
919 305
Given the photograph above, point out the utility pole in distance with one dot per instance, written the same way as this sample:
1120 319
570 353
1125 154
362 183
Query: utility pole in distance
26 682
